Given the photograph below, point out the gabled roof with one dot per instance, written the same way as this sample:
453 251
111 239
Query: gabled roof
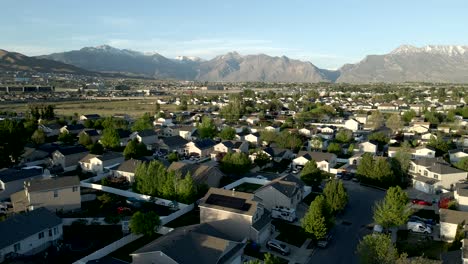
147 133
317 156
275 152
91 132
199 243
174 141
21 226
128 165
123 133
287 185
204 143
72 150
452 216
52 183
92 116
75 127
9 175
200 173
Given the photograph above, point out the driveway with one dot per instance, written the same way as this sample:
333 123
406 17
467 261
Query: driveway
350 227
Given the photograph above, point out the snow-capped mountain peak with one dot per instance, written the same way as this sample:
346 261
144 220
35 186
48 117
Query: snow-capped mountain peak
188 58
450 50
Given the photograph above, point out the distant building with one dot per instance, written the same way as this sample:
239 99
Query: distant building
212 88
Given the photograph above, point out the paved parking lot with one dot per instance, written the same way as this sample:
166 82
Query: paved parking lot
350 227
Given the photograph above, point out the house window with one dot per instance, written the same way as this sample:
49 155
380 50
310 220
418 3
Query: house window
425 173
55 231
17 247
75 188
436 176
50 232
55 193
41 235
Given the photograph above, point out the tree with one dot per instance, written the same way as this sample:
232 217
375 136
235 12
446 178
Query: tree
66 138
234 110
393 210
439 144
187 190
13 137
462 164
316 143
311 174
366 166
334 148
143 123
110 138
376 120
271 259
289 140
207 128
403 259
408 116
183 105
335 195
261 159
228 133
38 137
130 150
268 136
96 149
84 139
380 138
144 223
344 136
235 163
394 122
377 248
173 156
315 222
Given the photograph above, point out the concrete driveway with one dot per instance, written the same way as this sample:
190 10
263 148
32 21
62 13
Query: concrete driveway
350 227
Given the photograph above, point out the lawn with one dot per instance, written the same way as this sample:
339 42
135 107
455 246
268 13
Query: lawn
417 245
124 252
248 187
290 234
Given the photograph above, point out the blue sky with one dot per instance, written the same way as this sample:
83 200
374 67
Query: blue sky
327 33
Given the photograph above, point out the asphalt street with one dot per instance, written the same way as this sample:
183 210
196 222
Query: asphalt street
350 227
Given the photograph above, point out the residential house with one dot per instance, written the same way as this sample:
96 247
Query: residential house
353 125
201 147
416 153
434 174
68 157
253 138
173 144
126 169
420 127
50 129
98 163
325 161
200 243
163 122
124 136
228 146
286 191
237 214
148 137
34 157
461 195
253 120
457 154
278 154
57 193
72 129
29 233
272 128
90 117
418 108
361 118
92 133
201 174
449 221
387 107
368 147
306 132
12 180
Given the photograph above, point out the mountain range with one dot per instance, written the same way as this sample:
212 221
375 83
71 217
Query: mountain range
406 63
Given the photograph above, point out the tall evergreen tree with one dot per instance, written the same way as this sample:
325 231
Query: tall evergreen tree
335 195
394 209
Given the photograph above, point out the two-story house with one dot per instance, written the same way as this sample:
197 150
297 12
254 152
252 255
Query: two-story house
433 174
278 154
416 153
173 144
97 163
202 174
126 169
237 214
228 146
201 147
253 138
457 154
92 133
68 157
57 193
325 161
353 125
286 191
12 180
147 137
29 233
368 147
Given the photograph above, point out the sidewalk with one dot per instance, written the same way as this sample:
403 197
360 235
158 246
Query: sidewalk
302 254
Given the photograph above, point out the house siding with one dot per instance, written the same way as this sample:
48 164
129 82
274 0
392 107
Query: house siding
66 199
239 226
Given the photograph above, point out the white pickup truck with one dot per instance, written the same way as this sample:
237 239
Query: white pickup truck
419 227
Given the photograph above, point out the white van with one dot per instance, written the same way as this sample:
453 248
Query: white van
419 227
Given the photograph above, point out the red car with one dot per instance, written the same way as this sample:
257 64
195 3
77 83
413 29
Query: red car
122 209
421 202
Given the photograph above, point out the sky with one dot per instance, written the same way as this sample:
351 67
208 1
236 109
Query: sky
327 33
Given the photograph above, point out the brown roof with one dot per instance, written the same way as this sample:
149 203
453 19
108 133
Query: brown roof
452 216
53 183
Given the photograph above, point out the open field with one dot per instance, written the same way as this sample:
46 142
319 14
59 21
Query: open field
103 108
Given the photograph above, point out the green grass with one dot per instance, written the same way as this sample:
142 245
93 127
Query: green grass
247 187
124 252
417 245
290 234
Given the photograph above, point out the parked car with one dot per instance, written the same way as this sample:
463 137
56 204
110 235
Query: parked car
421 202
323 243
378 229
338 175
278 247
415 218
419 227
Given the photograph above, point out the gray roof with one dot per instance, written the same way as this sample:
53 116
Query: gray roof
174 141
72 150
452 216
462 189
21 226
196 243
288 185
426 180
427 162
444 169
53 183
10 175
317 156
128 165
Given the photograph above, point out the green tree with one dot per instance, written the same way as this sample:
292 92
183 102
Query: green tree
393 210
408 116
234 110
187 190
271 259
335 195
66 138
183 105
38 137
439 144
235 163
403 259
334 148
344 136
144 223
268 136
311 174
84 139
316 143
376 120
13 137
377 248
289 140
173 156
366 166
261 159
110 138
149 178
130 151
228 133
394 122
207 128
462 164
315 222
143 123
380 138
96 149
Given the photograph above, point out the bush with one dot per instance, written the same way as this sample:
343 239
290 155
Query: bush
112 219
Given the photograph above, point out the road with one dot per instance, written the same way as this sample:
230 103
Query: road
350 227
